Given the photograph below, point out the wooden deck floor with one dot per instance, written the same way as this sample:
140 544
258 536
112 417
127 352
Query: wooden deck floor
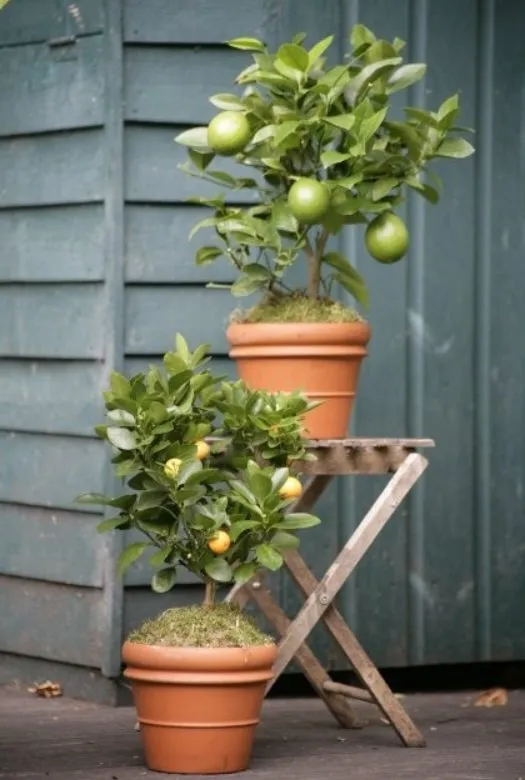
61 739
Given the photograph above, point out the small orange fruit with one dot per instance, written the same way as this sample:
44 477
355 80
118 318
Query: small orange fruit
171 467
292 488
203 449
220 543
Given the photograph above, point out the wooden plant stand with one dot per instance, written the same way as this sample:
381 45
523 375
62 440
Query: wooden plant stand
341 457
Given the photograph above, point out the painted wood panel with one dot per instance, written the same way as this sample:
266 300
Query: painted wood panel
152 175
43 170
52 321
46 620
173 84
52 545
194 21
49 471
158 248
28 21
56 244
155 314
50 396
45 91
142 603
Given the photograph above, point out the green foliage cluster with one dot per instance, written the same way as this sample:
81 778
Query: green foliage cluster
332 124
158 417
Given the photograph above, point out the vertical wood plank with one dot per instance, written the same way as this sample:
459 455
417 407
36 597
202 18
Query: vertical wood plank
113 597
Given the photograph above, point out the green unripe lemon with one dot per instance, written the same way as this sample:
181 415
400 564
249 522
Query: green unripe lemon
228 133
309 200
386 238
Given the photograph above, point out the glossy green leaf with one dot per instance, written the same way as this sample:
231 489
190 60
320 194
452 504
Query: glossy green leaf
121 438
405 76
227 102
196 138
298 520
293 56
333 158
268 557
284 541
207 254
219 570
246 44
129 555
458 148
121 416
317 51
163 580
244 573
112 524
343 121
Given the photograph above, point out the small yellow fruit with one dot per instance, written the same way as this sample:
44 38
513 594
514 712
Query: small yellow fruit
203 449
220 543
292 488
171 467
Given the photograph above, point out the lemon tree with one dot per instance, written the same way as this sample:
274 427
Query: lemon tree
322 149
200 495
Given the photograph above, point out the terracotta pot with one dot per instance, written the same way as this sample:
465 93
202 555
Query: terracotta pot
320 359
198 708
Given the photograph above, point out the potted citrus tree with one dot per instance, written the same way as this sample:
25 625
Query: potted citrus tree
322 149
210 498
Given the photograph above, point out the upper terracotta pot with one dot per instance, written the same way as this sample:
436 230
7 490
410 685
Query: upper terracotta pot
321 360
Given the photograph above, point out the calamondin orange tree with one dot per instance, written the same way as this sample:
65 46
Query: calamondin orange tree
207 468
323 148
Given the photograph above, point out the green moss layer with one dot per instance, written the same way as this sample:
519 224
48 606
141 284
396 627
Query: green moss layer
297 308
222 626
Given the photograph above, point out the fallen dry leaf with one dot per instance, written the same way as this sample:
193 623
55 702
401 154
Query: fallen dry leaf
494 697
47 689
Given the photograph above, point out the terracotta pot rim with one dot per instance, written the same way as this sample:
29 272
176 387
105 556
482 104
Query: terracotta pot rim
239 333
164 657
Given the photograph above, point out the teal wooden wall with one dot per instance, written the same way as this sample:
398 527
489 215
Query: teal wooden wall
96 272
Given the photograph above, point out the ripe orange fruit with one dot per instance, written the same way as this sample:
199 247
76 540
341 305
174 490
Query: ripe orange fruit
292 488
171 467
386 238
309 200
220 543
203 449
228 133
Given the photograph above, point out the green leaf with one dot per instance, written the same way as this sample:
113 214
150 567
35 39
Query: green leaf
131 554
246 44
333 158
207 254
163 580
120 385
449 106
201 160
297 520
284 130
360 35
244 573
260 485
405 76
187 470
382 187
256 271
369 126
284 541
356 287
121 438
158 558
150 499
279 477
429 193
343 121
240 527
245 286
293 56
268 557
265 132
206 222
94 499
458 148
318 50
227 102
112 523
219 570
121 416
196 138
371 73
349 182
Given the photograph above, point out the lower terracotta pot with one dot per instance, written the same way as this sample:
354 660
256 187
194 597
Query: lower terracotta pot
320 359
198 708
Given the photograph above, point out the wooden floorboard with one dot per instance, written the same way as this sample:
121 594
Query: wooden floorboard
61 739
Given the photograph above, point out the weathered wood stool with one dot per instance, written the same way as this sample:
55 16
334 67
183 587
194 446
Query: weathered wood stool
342 457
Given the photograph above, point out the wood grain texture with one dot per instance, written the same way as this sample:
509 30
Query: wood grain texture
194 21
51 169
173 84
46 91
51 396
50 545
29 21
152 175
158 248
51 321
50 621
49 471
57 244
